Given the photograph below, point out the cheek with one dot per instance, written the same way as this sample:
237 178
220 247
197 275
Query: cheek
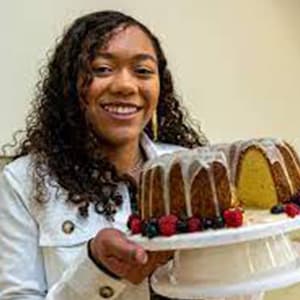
92 91
151 102
151 94
96 89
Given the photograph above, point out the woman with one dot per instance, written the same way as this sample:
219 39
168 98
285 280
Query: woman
106 95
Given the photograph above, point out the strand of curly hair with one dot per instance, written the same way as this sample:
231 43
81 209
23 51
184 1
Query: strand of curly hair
57 134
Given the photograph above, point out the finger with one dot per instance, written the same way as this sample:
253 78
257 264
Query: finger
115 244
141 256
127 251
118 267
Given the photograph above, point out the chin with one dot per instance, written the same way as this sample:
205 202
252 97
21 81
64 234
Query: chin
123 138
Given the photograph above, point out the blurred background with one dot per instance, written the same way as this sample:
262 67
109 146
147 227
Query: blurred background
236 63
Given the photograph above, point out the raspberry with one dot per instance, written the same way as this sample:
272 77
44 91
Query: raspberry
292 210
167 225
233 217
194 224
136 226
130 218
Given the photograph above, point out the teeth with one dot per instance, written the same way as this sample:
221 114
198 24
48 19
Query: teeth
120 109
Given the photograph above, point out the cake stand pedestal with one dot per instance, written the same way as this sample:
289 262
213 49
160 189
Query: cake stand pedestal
256 257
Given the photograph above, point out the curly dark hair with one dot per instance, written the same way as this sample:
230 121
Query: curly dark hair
57 134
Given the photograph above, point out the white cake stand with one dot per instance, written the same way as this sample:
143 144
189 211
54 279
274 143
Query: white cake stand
256 257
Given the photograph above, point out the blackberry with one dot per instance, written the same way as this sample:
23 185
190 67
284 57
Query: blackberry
182 226
218 223
207 223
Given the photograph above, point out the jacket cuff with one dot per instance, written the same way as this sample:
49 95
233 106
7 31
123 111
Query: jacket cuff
88 282
100 266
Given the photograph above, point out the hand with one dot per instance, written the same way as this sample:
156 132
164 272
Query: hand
155 260
125 258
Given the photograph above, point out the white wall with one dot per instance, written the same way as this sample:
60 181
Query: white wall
236 62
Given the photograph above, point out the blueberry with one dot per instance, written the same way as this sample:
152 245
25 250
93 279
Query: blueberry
277 209
152 231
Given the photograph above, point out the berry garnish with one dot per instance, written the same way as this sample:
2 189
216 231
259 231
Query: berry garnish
207 223
151 230
292 210
233 217
136 226
167 225
182 226
154 222
218 223
277 209
194 224
131 217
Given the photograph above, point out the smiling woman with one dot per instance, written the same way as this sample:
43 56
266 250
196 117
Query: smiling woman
124 92
104 106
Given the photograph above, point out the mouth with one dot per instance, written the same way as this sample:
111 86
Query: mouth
121 109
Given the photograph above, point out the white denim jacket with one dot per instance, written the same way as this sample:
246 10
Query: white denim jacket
43 253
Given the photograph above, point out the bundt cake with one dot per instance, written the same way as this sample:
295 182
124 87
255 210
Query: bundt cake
188 184
203 183
264 171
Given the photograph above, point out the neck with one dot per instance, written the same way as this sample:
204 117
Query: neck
124 157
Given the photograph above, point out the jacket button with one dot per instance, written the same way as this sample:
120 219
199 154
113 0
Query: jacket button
106 292
68 227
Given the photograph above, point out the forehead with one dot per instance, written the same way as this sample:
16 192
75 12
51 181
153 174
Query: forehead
129 40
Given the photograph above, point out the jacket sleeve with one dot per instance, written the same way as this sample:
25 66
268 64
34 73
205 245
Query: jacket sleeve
22 271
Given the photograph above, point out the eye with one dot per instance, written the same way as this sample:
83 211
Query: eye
102 70
144 71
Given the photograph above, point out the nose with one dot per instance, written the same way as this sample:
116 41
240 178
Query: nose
123 83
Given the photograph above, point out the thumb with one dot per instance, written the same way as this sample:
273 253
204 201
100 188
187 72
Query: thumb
127 250
140 255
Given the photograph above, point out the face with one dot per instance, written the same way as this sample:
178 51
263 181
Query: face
125 88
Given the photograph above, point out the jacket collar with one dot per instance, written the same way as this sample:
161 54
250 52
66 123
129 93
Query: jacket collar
149 146
153 150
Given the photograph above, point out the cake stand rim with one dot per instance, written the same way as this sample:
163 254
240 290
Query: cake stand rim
218 237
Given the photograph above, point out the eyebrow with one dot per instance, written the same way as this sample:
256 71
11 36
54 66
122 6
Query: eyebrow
142 56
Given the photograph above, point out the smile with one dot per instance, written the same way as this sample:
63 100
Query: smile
121 109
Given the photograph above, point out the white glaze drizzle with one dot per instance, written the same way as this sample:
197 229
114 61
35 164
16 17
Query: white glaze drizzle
205 156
